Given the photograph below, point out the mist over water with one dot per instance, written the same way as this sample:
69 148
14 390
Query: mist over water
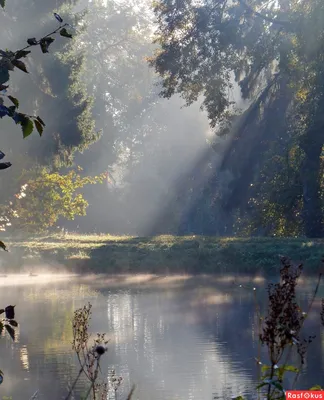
175 338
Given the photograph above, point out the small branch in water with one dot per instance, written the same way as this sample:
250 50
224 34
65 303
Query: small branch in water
131 393
74 383
34 396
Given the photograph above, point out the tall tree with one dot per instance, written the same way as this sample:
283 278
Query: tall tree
69 123
273 50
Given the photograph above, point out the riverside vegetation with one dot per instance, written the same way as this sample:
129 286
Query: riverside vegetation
280 330
160 254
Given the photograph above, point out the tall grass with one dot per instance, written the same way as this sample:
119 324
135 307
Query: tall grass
159 254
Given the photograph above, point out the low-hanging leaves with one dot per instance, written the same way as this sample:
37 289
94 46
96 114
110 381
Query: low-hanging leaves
40 120
27 127
45 43
38 126
20 65
32 42
4 247
5 165
12 111
291 368
2 3
21 54
65 33
14 101
3 111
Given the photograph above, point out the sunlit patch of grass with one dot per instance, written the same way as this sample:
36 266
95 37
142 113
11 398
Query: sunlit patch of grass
80 255
162 254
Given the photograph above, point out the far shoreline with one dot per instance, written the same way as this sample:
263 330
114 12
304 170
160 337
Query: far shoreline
160 255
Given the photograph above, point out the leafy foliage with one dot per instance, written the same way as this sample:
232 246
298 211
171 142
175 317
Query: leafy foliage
49 196
273 52
8 62
281 332
8 323
62 193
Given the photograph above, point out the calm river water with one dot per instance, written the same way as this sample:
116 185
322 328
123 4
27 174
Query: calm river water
176 338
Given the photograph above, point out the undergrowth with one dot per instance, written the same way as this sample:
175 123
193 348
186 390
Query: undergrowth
159 254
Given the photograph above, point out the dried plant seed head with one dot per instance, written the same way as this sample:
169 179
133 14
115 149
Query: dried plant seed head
100 350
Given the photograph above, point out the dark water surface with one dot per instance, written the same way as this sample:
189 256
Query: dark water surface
176 338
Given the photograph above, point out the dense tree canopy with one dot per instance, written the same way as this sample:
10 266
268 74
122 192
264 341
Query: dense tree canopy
256 69
52 88
273 51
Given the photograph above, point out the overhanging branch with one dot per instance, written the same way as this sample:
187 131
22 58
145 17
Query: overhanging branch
265 17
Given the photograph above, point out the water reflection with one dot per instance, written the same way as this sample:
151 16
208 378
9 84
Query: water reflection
175 338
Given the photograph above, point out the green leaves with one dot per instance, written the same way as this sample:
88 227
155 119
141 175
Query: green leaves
2 3
45 43
32 42
279 371
271 382
10 60
14 100
20 65
265 368
5 165
63 198
290 368
317 387
27 127
27 124
4 75
39 127
21 54
65 33
40 120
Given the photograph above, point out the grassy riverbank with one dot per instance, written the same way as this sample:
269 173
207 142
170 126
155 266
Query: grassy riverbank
160 254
